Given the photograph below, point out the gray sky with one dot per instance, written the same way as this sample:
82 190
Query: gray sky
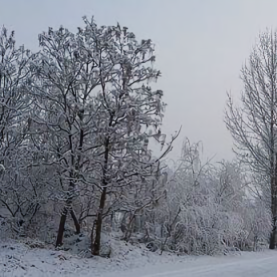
201 46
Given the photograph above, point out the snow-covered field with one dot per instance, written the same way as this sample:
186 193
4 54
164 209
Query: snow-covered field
130 261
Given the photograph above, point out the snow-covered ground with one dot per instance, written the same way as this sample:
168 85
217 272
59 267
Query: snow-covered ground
263 264
130 261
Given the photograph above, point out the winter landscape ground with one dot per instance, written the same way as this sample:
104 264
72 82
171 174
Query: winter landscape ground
18 259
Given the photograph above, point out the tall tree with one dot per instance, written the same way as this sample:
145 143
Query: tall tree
130 114
253 124
18 191
66 71
95 114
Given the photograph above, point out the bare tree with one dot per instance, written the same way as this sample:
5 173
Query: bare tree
253 124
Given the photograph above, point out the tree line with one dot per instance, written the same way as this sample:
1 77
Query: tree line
76 120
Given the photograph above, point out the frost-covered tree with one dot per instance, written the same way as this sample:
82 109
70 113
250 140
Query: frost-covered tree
253 125
94 116
67 71
129 115
19 192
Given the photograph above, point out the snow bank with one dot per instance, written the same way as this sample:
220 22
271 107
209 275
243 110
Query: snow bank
20 259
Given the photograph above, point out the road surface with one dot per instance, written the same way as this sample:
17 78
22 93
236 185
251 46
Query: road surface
261 264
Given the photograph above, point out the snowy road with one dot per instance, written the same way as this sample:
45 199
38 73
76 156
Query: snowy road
248 264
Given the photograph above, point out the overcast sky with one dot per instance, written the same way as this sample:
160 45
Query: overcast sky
200 48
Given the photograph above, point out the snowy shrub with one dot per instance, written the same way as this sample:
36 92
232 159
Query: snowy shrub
207 209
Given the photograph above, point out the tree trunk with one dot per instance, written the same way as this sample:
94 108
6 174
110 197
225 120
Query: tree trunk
66 209
273 234
99 218
59 241
76 223
273 171
128 231
272 242
273 212
92 236
98 224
